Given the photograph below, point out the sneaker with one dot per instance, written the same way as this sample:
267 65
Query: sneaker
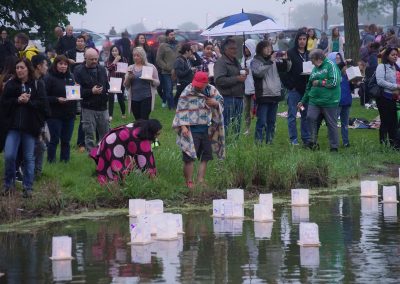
27 193
163 105
294 143
18 176
109 118
346 145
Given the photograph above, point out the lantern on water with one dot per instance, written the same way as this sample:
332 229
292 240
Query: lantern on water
166 227
140 235
369 188
300 197
137 207
309 235
263 213
61 248
389 194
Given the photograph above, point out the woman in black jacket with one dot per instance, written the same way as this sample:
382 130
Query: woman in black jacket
24 104
61 121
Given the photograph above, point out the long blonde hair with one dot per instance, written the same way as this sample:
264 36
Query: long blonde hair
142 53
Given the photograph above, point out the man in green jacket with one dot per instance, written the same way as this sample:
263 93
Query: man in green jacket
322 96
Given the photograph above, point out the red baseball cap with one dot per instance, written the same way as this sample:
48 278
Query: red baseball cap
200 80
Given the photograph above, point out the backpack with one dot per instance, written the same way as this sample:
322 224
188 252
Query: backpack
374 90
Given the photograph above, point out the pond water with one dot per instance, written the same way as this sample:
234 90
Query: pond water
360 244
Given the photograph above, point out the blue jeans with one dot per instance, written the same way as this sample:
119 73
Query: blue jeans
13 140
60 130
344 113
166 84
233 109
293 99
266 118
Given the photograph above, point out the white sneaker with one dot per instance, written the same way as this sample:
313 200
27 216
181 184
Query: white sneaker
110 118
164 105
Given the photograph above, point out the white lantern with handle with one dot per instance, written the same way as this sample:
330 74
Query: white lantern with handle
389 194
137 207
309 235
369 188
61 248
300 197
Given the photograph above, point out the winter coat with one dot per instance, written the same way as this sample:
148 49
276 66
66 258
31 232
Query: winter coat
249 83
85 80
29 52
225 73
166 56
65 43
55 87
266 78
327 93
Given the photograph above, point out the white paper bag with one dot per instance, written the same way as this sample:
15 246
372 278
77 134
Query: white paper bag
307 67
80 57
147 73
210 67
73 93
353 72
122 67
115 85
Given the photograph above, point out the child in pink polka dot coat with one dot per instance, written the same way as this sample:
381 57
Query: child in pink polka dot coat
124 149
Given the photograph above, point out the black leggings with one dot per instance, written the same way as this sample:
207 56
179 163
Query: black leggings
121 101
388 113
142 109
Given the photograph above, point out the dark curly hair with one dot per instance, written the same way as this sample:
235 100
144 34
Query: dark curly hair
148 128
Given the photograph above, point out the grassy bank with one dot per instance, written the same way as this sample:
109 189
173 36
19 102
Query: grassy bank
278 167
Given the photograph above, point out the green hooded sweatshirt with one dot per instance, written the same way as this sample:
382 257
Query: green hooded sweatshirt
327 93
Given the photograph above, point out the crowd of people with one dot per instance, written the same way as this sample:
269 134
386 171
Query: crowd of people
213 90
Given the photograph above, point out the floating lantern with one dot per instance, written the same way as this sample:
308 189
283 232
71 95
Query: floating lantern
166 227
154 207
238 211
217 207
262 213
61 248
141 254
140 235
263 230
369 205
266 199
390 210
300 197
62 270
309 236
369 188
115 85
389 194
300 214
235 195
122 67
178 223
137 207
309 256
224 208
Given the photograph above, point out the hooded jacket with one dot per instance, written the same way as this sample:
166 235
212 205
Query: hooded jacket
249 83
293 79
29 52
327 93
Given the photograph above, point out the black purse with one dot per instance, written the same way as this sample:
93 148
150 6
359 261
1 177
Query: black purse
374 90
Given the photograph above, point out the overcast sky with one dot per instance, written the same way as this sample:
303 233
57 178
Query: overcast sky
103 14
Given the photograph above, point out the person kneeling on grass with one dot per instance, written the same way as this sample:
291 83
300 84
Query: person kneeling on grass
126 148
200 125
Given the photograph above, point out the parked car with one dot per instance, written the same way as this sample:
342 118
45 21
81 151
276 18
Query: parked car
97 38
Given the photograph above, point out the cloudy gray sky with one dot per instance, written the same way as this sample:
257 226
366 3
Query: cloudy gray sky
103 14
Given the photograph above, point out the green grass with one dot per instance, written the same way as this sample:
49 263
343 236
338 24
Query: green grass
277 167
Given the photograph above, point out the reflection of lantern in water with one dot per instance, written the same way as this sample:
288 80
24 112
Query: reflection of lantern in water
62 270
369 205
390 210
309 235
140 235
137 207
141 254
61 248
309 256
227 226
389 194
299 197
263 230
263 213
300 214
235 195
369 188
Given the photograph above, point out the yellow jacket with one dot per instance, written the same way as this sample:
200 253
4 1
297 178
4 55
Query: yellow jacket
312 44
29 52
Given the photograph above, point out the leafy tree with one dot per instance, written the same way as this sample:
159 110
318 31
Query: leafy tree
377 7
43 15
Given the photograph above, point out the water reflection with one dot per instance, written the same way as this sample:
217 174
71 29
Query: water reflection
360 243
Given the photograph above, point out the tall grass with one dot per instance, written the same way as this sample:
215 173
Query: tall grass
256 168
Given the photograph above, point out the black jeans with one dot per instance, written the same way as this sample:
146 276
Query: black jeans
141 109
388 113
121 101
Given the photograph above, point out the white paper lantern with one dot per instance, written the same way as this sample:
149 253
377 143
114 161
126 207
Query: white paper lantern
178 222
263 230
307 67
166 227
61 248
137 207
235 195
122 67
267 199
300 197
309 256
309 235
300 214
369 188
154 207
147 73
390 210
238 210
140 235
217 207
125 280
115 85
389 194
369 205
141 254
263 213
62 270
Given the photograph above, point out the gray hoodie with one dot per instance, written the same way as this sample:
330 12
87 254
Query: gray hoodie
249 83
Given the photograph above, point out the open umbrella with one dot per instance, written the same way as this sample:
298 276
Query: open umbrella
242 23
